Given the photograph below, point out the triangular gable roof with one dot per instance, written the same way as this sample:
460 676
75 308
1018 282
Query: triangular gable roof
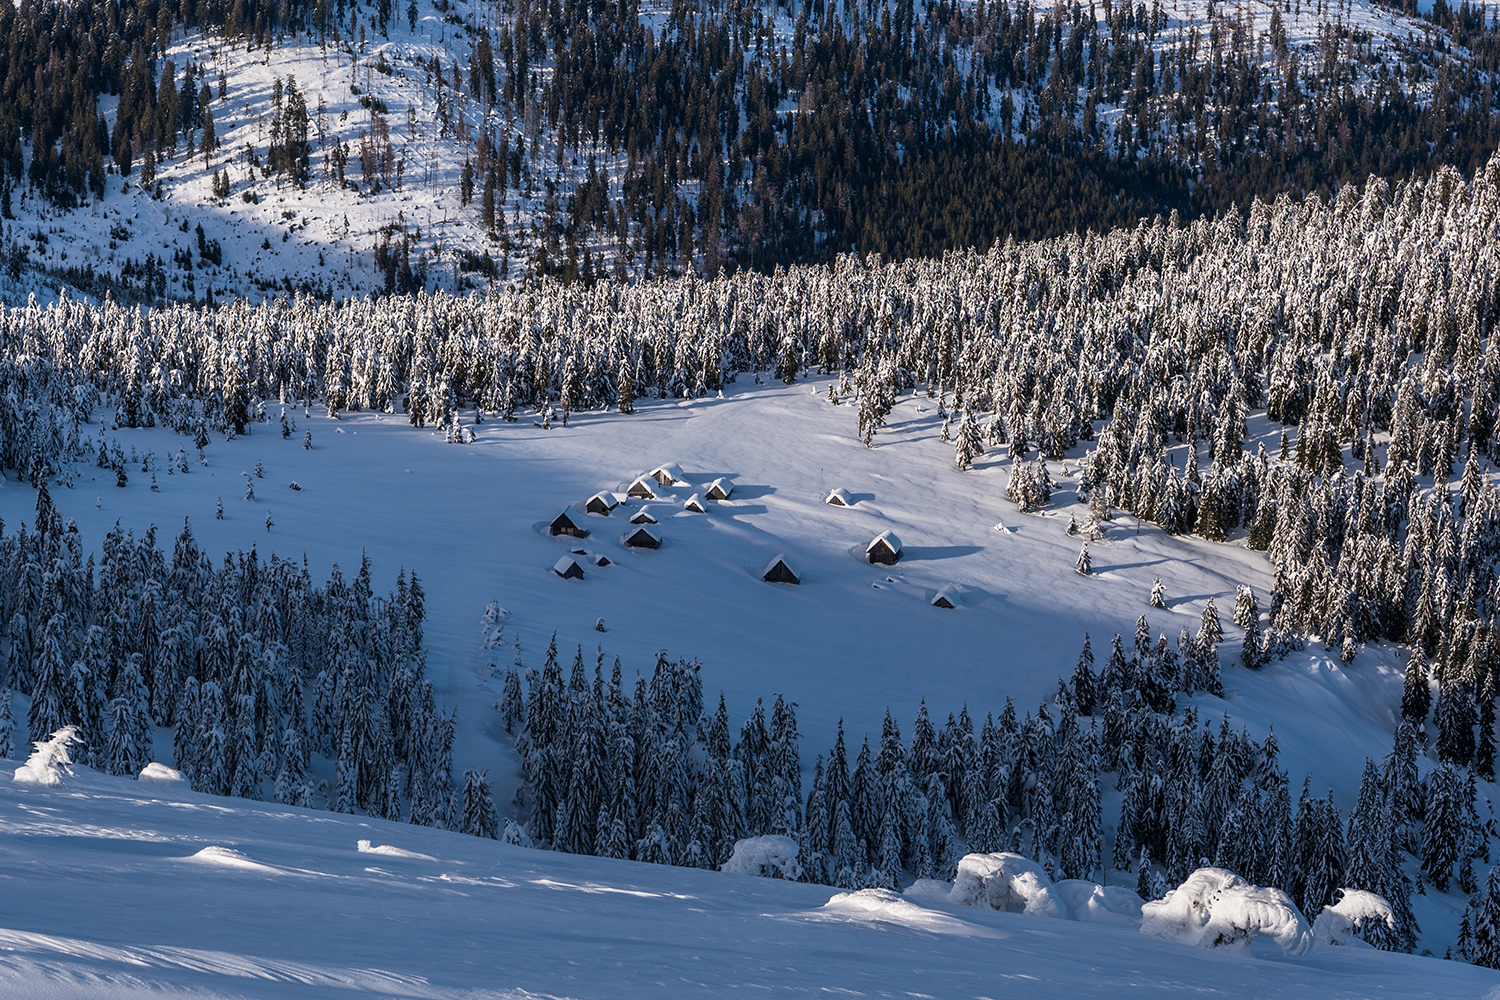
570 521
567 567
777 571
947 597
642 537
643 488
695 503
643 516
669 474
720 488
888 538
838 497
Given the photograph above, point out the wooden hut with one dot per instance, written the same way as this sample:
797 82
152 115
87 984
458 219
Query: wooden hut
567 567
695 504
601 503
642 489
668 475
838 497
569 522
884 548
777 571
720 488
946 597
643 516
643 537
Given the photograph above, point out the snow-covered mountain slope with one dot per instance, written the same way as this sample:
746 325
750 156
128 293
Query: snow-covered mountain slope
272 236
119 889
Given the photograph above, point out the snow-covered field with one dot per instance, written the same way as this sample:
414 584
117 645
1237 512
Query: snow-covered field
288 904
851 641
119 889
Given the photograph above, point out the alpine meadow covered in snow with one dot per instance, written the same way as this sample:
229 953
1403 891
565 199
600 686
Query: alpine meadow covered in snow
954 499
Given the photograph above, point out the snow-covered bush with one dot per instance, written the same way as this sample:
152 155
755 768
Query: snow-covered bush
50 760
1216 908
1354 919
155 773
1016 884
770 856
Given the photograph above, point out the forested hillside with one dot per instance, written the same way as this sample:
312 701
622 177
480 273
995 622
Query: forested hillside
338 147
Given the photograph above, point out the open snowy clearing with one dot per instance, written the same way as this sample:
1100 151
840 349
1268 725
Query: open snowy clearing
105 896
850 641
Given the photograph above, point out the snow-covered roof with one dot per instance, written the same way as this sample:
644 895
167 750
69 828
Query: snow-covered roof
642 537
669 474
720 488
567 565
605 499
946 597
643 516
643 487
778 570
838 497
888 538
570 520
695 502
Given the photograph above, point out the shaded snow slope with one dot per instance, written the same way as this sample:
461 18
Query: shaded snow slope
104 897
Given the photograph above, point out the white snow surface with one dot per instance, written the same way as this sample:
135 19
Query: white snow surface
1215 908
113 889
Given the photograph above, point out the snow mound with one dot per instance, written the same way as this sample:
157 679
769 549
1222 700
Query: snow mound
365 847
883 907
49 761
770 856
1215 908
226 858
1339 923
160 774
1016 884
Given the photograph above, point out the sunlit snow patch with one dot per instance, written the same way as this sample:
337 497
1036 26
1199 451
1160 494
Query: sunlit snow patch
226 858
881 907
155 773
770 856
1016 884
392 852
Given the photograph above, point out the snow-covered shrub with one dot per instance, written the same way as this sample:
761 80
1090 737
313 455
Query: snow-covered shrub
1354 919
160 774
770 856
50 760
1016 884
1216 908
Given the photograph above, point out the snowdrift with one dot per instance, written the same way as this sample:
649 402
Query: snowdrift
1341 922
1215 908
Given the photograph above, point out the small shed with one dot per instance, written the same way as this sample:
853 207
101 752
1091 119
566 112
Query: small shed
601 503
567 567
884 548
569 522
720 488
668 475
643 516
838 497
601 560
777 571
642 489
695 504
946 597
643 538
